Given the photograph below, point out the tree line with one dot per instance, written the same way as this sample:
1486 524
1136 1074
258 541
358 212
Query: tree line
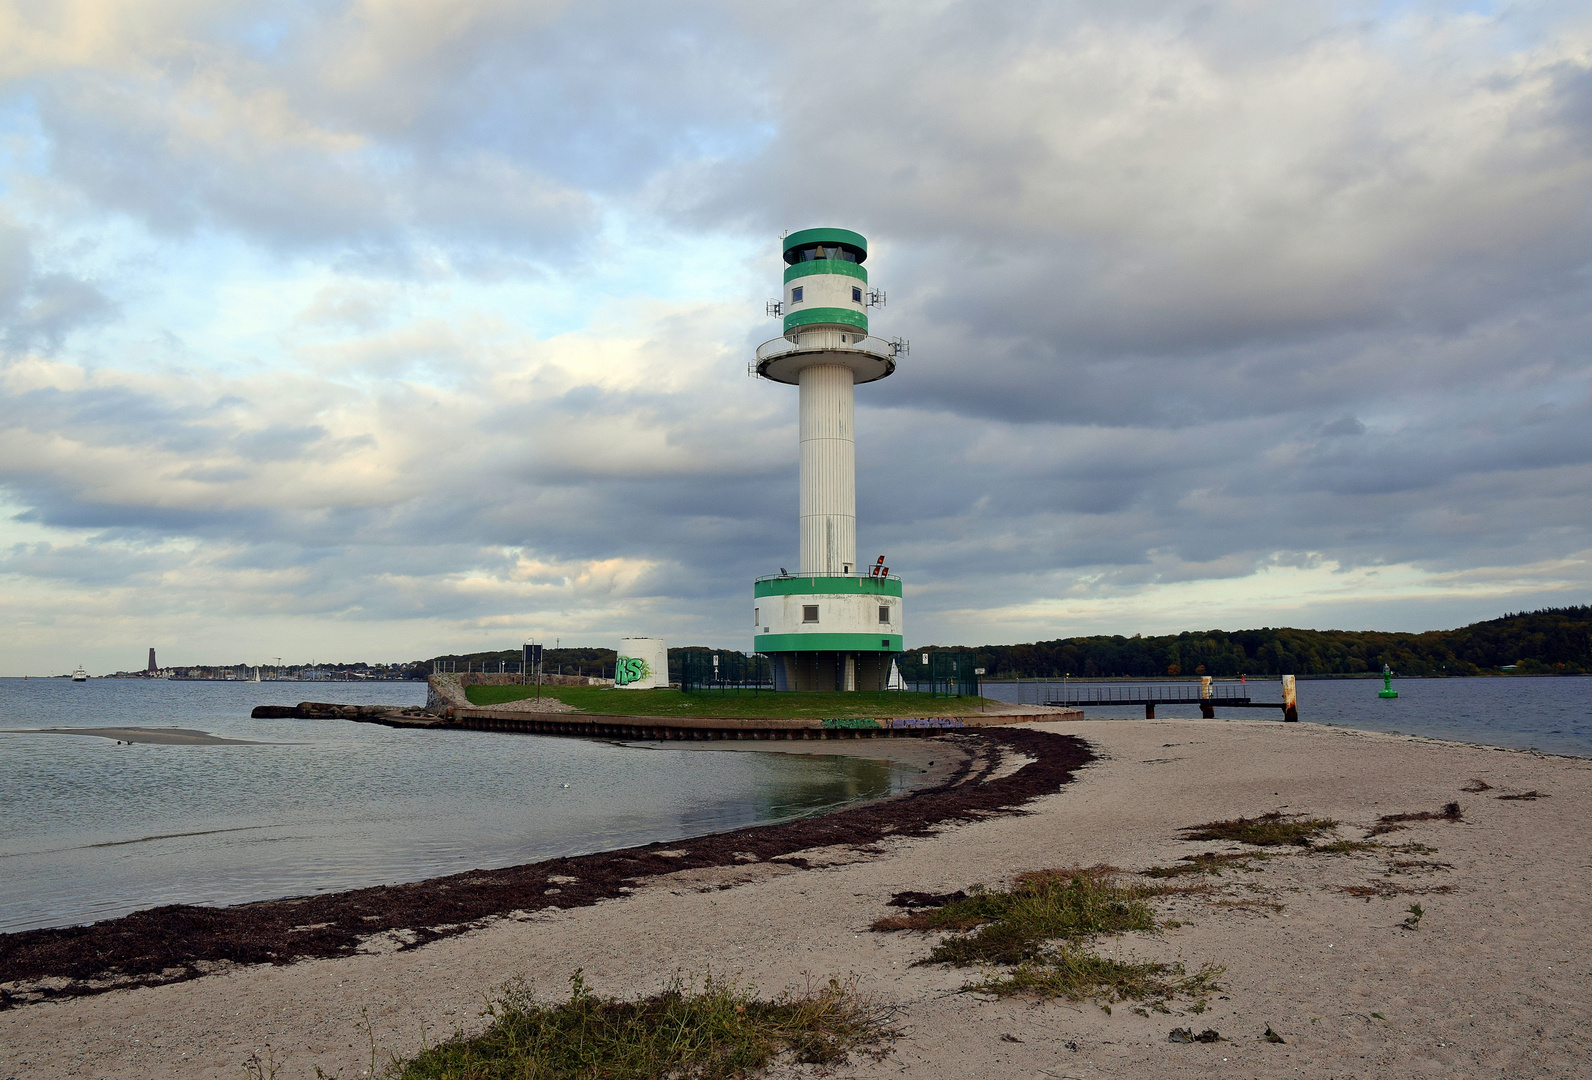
1550 641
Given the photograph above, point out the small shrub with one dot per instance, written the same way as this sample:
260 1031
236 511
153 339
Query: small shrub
1042 906
714 1033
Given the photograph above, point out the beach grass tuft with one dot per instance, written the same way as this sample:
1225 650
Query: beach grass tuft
1036 930
1275 829
712 1033
1349 847
1076 974
1011 926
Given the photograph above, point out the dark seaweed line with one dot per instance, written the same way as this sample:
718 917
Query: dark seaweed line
179 941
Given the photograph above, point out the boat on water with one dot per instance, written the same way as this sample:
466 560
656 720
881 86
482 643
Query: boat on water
79 675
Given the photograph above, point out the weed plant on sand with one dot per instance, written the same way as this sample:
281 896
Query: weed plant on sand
1011 926
1076 974
1275 829
1037 930
714 1033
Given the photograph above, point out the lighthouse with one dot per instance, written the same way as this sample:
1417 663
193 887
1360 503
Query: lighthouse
836 623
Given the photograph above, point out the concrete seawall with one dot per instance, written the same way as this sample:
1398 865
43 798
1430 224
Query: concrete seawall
665 728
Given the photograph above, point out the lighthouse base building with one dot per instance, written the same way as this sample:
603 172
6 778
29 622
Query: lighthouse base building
834 624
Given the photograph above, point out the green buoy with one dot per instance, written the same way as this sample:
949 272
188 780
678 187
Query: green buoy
1387 690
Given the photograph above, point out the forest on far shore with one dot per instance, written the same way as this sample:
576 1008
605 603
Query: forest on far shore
1553 641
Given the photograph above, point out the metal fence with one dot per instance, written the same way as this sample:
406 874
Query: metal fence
725 673
1108 691
939 672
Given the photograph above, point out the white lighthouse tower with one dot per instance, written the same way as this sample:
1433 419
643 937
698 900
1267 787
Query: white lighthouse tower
835 624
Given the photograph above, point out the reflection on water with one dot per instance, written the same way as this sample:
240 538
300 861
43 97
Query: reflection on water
1553 715
90 829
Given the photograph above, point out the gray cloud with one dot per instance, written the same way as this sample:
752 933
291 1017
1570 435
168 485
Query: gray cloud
1194 291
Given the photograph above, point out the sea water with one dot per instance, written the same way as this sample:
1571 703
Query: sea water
1552 714
90 829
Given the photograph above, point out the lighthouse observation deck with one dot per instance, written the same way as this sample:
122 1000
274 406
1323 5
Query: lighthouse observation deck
869 358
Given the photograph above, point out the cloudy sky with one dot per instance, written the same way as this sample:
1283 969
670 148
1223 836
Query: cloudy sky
379 328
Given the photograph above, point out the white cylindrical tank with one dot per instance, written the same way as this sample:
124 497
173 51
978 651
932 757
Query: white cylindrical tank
828 513
643 664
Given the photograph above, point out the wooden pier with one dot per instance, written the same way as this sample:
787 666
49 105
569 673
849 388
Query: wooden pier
1206 695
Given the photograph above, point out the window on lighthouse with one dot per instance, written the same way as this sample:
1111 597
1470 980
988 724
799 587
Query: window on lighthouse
796 295
856 295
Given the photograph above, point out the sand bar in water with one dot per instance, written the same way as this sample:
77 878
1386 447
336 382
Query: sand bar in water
170 736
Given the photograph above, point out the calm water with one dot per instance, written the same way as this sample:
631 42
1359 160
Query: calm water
1553 715
91 830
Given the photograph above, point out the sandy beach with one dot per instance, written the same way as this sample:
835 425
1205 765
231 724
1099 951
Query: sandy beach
1491 983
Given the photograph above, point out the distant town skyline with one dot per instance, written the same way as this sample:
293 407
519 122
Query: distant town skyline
400 330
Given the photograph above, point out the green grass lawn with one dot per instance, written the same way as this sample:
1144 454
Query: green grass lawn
606 699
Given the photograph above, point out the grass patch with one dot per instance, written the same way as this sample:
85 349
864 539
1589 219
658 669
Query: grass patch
1349 847
1076 974
1275 829
765 705
1014 926
1036 929
714 1033
1208 863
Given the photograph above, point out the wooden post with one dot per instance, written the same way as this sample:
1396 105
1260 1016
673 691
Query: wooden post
1207 710
1149 712
1290 701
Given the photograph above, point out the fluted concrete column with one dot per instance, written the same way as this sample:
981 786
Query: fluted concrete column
828 471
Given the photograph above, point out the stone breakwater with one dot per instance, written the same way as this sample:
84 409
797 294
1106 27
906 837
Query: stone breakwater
446 690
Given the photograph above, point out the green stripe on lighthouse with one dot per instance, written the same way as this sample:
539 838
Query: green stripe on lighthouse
826 316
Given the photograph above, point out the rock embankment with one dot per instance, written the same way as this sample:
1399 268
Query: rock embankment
373 714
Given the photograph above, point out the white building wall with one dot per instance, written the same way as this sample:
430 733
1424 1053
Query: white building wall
826 290
828 471
651 651
837 614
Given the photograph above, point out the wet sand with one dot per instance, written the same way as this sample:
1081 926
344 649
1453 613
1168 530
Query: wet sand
165 736
1491 984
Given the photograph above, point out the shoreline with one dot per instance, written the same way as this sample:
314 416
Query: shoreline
178 943
1315 942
